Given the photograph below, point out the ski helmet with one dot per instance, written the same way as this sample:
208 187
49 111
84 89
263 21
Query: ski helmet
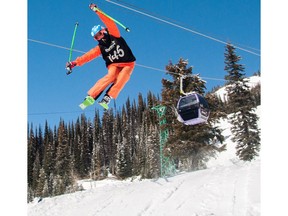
96 29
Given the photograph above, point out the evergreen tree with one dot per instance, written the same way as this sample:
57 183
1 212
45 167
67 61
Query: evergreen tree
256 95
141 108
63 166
217 107
40 145
140 124
58 185
31 155
235 84
243 119
85 146
190 145
97 140
118 139
77 150
30 194
36 173
152 101
49 157
124 151
71 144
133 140
148 138
108 145
41 184
153 152
234 69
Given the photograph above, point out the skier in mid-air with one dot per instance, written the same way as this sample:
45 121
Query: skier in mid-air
117 55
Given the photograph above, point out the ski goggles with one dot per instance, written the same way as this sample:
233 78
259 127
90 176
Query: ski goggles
98 35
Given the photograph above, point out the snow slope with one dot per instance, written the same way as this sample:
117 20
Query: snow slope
229 187
252 82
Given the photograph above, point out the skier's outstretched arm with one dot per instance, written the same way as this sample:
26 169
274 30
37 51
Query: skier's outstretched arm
90 55
110 24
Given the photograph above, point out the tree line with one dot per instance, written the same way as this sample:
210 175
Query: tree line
125 143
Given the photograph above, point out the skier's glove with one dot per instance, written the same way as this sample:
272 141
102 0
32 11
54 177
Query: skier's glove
92 6
69 66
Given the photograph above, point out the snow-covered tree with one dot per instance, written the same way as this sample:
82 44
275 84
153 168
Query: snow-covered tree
95 172
63 166
124 168
41 184
243 118
31 155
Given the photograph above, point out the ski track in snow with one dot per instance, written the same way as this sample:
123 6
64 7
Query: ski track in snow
228 191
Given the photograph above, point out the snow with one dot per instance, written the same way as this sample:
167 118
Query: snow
252 82
228 187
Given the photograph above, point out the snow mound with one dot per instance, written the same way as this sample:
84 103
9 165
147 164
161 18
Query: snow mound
252 82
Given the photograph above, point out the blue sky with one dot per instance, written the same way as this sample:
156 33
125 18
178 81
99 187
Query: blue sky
53 95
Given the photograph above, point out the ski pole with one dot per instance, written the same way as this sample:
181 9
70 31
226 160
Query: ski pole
71 48
72 42
116 21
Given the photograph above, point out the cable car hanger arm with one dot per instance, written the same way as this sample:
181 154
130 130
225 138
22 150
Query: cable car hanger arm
182 77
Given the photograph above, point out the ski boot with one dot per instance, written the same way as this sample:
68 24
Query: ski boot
105 101
88 101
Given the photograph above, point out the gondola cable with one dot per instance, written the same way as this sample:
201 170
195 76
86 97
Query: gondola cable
139 65
179 26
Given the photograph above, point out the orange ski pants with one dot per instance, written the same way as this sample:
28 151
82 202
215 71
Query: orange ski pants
118 75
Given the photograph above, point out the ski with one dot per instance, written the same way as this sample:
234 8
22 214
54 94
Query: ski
104 105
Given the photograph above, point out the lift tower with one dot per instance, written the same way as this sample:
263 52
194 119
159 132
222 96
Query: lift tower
167 166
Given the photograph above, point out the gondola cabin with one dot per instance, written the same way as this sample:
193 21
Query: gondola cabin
192 109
